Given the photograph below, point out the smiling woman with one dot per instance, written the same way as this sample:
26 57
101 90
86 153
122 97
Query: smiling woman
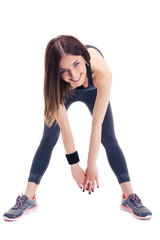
73 70
77 72
61 72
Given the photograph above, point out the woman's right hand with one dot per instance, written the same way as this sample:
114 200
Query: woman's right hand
78 174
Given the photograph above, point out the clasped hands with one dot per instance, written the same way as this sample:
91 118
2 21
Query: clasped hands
88 179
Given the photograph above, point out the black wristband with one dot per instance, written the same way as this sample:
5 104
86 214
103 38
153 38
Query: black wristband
72 158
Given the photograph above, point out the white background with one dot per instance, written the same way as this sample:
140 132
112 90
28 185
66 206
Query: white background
127 33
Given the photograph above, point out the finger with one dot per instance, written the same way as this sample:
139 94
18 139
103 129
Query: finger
97 182
93 186
90 188
82 182
86 184
79 185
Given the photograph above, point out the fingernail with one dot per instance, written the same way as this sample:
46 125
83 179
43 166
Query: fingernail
83 190
92 190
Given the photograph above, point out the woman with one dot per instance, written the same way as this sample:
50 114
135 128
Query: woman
77 72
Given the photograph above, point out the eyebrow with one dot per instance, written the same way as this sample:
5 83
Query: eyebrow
72 64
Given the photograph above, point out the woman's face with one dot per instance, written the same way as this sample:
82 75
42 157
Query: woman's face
72 69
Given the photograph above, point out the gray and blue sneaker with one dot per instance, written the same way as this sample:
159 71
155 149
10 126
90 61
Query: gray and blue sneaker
133 205
23 206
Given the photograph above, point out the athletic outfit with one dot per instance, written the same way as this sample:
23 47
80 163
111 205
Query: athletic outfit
108 139
50 136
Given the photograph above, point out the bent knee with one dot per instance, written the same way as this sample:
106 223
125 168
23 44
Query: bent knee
109 141
48 141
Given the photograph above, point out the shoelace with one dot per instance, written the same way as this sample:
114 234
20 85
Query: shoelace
19 202
136 200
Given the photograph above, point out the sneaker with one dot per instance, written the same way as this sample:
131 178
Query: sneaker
133 205
23 206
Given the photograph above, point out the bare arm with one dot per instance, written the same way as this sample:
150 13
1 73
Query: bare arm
68 142
65 129
100 108
102 78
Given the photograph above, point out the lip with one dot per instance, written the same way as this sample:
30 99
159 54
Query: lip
77 79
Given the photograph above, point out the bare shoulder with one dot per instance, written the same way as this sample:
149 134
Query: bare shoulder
99 67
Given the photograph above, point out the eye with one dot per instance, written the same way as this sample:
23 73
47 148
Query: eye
63 71
76 64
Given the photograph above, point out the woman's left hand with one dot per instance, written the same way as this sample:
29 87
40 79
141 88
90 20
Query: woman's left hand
91 178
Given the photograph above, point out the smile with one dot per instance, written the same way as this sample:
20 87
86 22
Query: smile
77 79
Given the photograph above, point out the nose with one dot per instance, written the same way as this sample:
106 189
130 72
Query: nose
72 74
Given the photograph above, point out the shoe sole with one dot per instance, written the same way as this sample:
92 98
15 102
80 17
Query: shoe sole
30 210
123 208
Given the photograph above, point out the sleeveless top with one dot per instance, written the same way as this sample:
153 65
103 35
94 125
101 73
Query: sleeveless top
89 73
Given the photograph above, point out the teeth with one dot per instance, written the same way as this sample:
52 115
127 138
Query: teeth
75 79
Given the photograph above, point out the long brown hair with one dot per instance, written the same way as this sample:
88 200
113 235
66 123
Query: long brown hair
55 88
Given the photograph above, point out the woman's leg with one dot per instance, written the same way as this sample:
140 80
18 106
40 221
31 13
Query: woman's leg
114 153
126 188
42 158
43 154
31 190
